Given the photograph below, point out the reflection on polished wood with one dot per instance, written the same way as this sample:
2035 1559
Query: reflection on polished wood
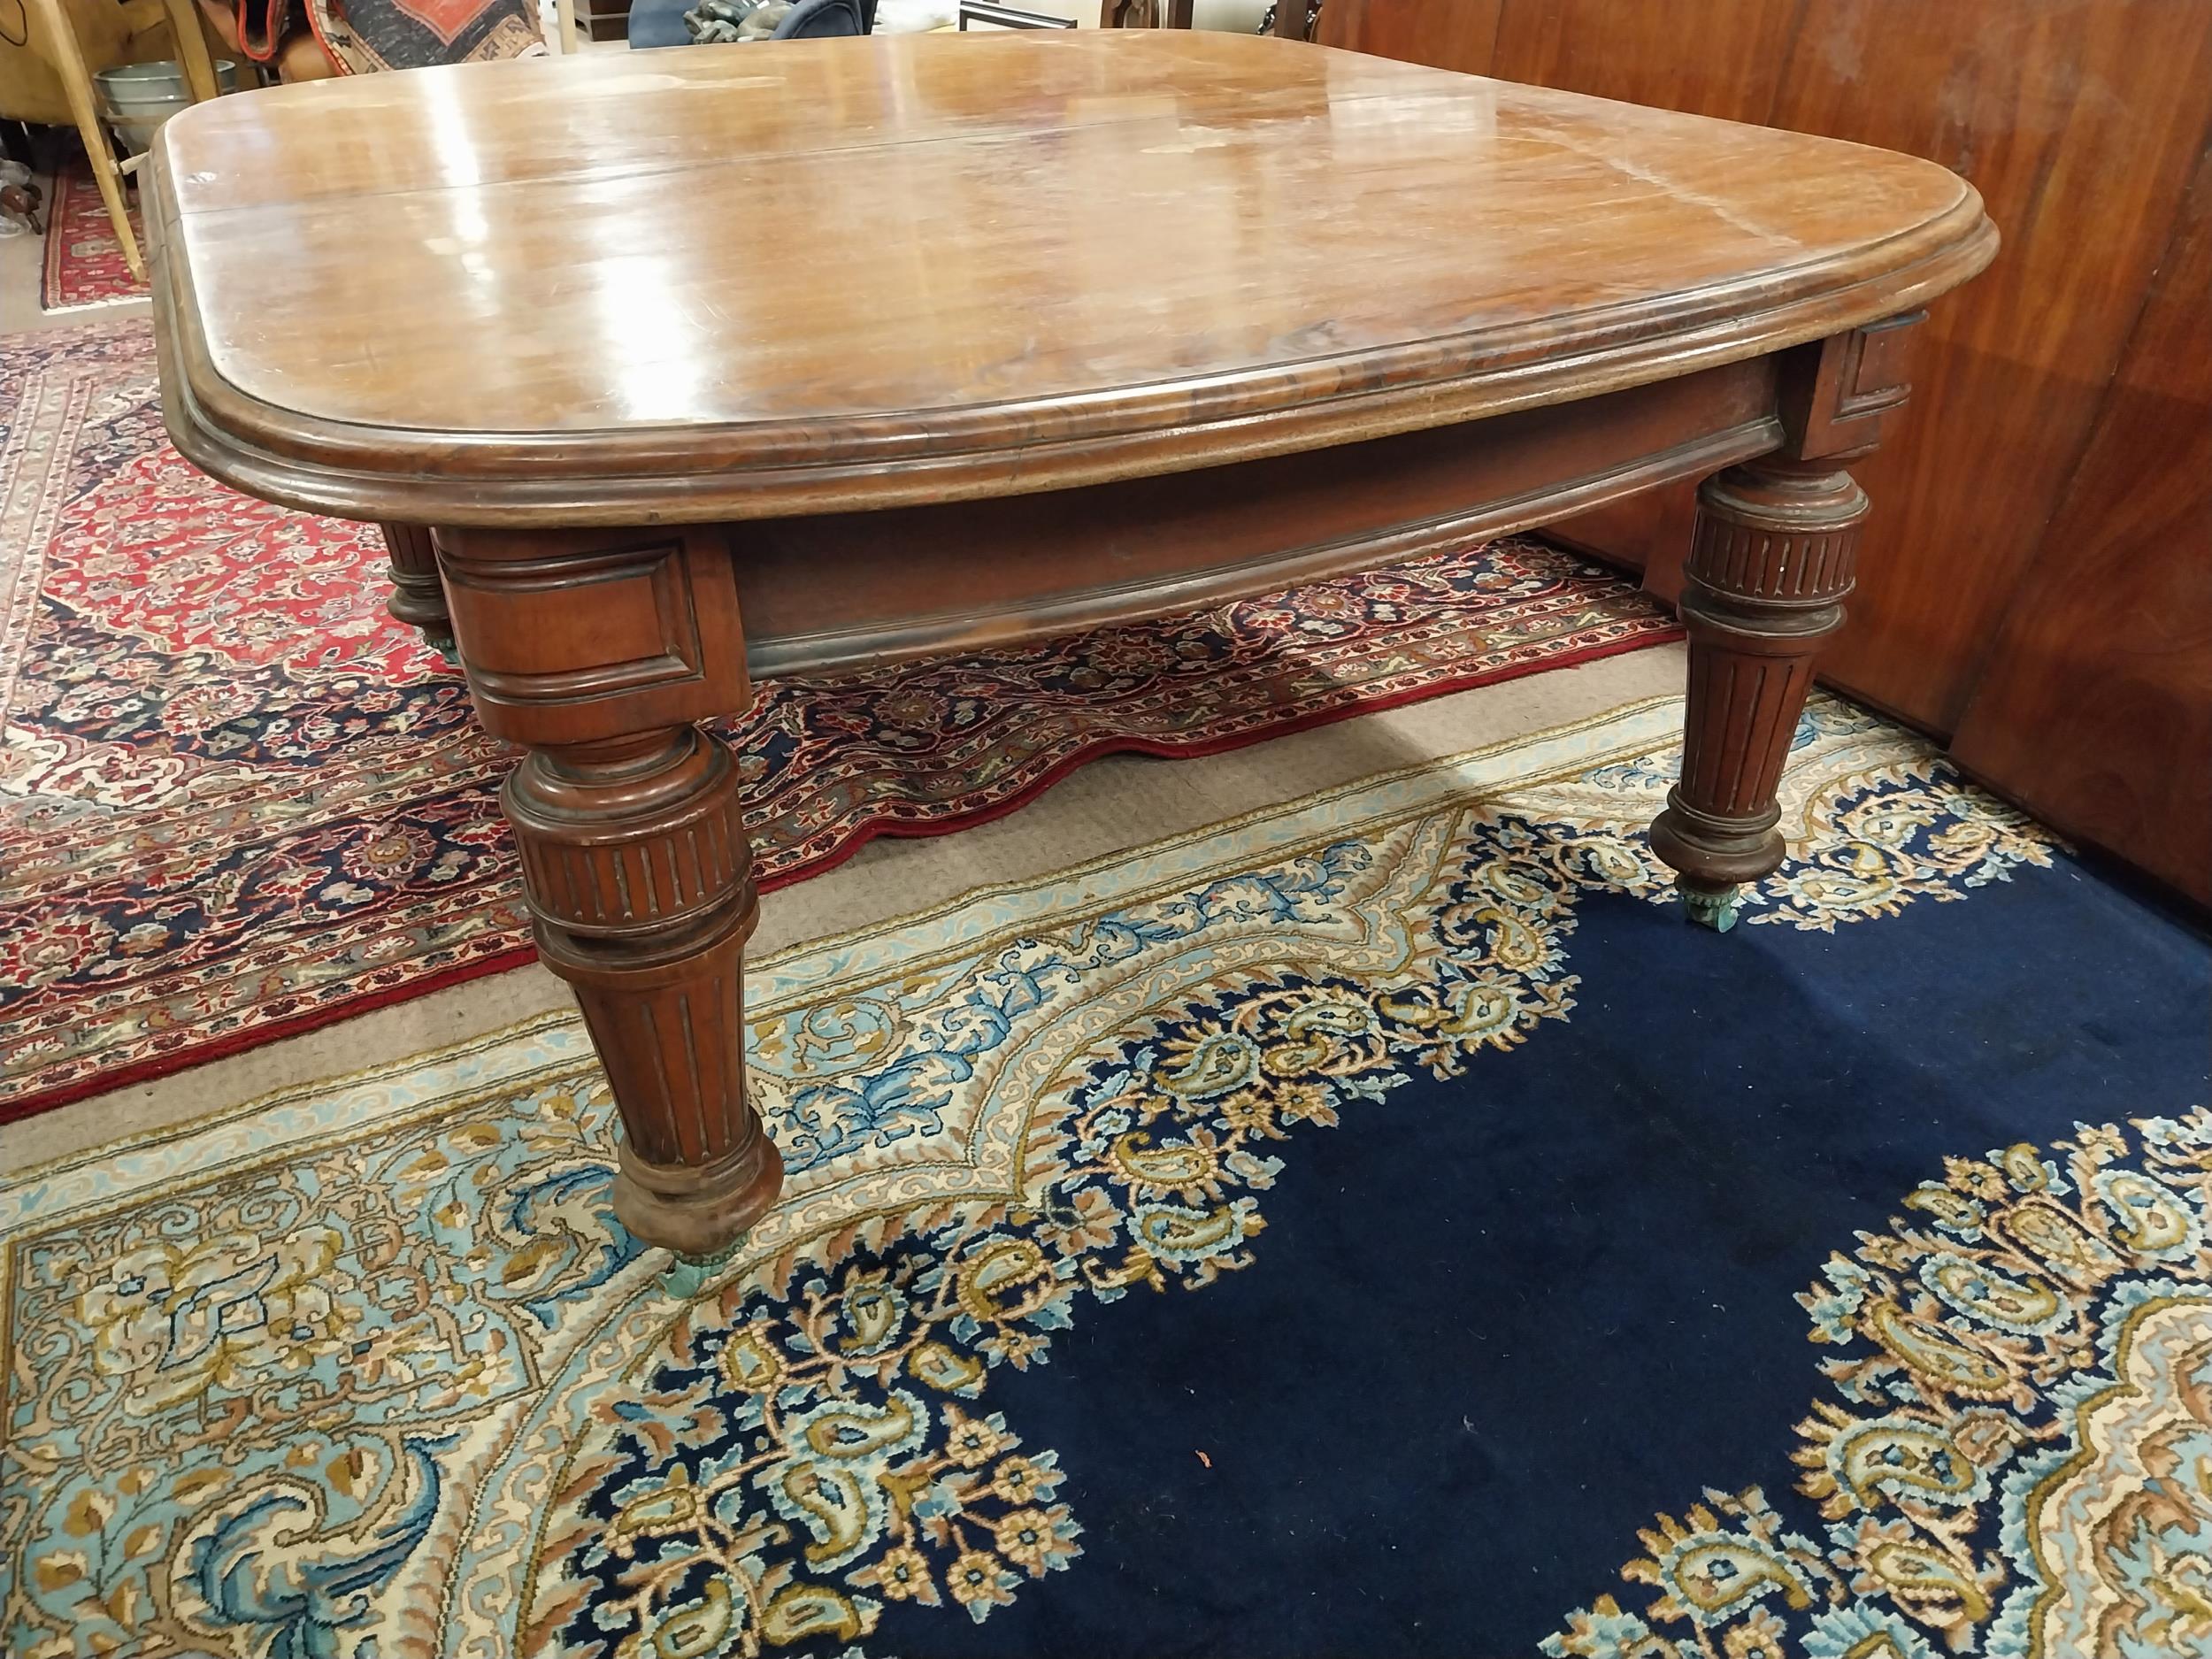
707 365
707 285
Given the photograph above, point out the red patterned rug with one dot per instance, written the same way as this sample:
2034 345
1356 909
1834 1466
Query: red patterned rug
240 801
84 261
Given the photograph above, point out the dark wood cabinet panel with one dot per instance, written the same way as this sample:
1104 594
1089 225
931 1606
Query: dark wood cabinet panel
1641 52
1456 36
2095 710
2036 560
2079 121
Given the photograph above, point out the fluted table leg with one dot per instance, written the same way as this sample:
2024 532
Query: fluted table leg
640 887
1772 559
600 651
1772 562
417 597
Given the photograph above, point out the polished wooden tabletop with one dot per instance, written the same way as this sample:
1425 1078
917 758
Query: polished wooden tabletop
727 281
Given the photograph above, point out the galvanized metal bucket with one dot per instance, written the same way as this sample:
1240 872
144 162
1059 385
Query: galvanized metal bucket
136 98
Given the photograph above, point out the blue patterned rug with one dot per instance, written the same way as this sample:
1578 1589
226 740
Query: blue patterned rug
1377 1226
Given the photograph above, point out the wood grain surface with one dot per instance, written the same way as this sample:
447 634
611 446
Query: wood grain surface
702 285
2095 709
2079 122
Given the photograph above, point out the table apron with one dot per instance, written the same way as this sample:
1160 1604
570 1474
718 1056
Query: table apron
843 592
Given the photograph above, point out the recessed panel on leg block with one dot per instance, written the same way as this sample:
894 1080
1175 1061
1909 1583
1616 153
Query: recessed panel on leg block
1835 393
571 640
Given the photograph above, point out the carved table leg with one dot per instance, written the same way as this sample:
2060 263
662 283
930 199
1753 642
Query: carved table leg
417 595
641 889
1770 565
1772 557
600 652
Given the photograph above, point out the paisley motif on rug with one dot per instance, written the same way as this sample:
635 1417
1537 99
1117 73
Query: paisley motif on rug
2014 1455
238 800
2016 1449
369 1366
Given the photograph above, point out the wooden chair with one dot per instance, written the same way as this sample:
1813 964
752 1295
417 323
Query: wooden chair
49 79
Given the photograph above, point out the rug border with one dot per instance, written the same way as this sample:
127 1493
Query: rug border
72 174
1628 744
148 1070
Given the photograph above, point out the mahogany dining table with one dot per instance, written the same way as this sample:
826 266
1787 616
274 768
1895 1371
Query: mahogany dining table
667 372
